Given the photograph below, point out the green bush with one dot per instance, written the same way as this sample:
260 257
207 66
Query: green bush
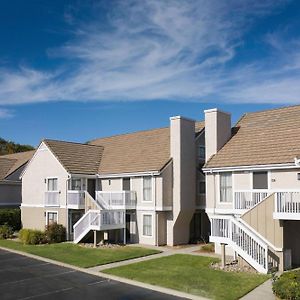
6 232
55 233
11 217
32 237
287 286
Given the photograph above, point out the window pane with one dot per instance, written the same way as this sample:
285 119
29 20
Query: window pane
147 189
76 184
52 218
201 152
225 187
52 184
260 180
147 225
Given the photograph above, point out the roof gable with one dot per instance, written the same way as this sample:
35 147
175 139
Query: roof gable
76 158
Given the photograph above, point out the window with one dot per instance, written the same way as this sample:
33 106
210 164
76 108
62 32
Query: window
147 189
201 152
51 217
126 184
75 184
52 184
225 187
147 225
260 180
201 187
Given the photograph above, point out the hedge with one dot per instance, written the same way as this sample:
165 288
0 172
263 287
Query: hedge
287 286
11 217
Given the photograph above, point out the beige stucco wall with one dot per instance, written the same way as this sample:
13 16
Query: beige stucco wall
35 218
182 133
42 166
10 194
260 218
285 179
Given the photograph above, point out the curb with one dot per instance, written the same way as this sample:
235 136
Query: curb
111 277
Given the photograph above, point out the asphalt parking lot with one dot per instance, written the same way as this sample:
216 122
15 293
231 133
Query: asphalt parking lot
22 277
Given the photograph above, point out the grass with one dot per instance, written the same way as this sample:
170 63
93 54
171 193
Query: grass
79 256
191 274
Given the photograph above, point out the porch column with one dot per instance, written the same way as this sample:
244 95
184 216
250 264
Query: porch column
223 256
95 238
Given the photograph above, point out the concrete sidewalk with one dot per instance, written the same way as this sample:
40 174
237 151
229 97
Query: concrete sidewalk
264 291
165 251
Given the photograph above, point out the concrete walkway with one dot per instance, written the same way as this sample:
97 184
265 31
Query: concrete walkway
165 251
264 291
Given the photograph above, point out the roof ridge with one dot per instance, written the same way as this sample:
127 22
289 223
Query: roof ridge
138 131
69 142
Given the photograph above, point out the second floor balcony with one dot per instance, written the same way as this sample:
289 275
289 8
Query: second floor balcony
246 199
76 199
52 198
116 199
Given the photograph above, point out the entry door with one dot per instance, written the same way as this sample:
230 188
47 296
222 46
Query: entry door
128 218
74 216
91 187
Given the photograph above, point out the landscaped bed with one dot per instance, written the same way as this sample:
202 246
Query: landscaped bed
191 274
80 256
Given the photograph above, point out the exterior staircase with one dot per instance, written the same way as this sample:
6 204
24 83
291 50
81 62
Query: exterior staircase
230 230
99 216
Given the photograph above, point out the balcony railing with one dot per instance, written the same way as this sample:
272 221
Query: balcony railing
122 199
287 205
76 199
52 198
246 199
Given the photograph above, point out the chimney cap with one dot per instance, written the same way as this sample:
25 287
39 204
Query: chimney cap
181 118
216 110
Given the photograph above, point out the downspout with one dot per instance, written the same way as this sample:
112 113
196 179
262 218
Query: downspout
67 211
156 219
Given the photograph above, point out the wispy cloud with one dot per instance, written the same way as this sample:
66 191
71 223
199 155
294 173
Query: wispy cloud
147 50
5 113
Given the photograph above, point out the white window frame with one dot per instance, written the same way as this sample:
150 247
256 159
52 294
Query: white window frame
232 189
151 215
151 194
268 180
51 211
47 184
81 183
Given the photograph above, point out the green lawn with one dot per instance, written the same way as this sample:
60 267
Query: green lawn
191 274
79 256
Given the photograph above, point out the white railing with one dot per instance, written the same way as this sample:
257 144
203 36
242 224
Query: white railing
52 198
98 220
246 199
287 205
76 198
111 200
248 245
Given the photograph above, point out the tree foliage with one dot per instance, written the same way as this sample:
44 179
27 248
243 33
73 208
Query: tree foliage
9 147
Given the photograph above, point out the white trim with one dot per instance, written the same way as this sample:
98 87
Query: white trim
38 205
152 227
51 211
249 168
121 175
181 118
286 216
216 110
153 208
152 192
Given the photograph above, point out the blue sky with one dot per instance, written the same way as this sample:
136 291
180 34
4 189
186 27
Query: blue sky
77 70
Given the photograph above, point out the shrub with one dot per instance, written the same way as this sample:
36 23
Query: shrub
6 232
55 233
32 237
208 247
11 217
287 286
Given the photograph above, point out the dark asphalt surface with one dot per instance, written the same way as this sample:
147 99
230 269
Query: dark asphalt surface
22 277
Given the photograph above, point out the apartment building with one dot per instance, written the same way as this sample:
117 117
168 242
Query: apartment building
11 166
253 186
145 187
